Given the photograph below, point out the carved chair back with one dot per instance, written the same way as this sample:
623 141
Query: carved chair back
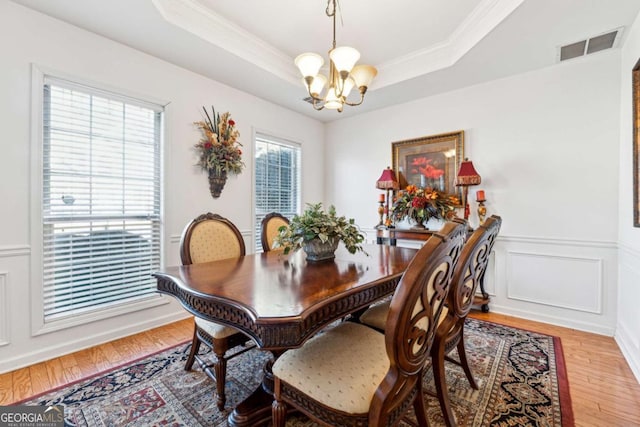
472 267
210 237
269 229
413 317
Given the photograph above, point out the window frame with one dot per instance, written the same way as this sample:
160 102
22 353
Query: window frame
38 324
283 140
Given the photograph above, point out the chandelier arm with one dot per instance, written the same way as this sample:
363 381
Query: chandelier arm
354 104
315 104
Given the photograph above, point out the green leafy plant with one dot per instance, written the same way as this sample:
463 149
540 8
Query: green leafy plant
318 223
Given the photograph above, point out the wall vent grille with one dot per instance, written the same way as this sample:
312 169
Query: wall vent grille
591 45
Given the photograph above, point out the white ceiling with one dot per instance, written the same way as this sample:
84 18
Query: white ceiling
420 47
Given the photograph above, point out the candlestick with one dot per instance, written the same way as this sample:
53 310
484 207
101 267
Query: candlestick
381 198
381 210
480 196
482 211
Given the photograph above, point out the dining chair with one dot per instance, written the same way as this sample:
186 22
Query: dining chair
210 237
269 229
469 272
467 275
352 375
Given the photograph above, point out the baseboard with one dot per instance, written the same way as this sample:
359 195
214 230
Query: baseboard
44 354
629 350
553 320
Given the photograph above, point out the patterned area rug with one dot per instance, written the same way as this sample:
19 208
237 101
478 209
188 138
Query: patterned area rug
521 376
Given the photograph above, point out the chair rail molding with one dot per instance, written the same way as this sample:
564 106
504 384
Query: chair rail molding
14 250
559 241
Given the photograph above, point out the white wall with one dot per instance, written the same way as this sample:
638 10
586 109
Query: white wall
27 37
628 326
546 146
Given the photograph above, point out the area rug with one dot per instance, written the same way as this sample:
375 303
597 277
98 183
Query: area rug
521 376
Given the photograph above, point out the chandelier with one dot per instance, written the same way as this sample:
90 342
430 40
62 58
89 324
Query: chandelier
343 73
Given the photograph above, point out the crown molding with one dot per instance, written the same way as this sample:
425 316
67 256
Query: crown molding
480 22
205 23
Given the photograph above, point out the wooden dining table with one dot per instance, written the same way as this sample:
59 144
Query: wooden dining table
280 301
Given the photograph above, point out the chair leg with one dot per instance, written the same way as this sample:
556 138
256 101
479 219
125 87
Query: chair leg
462 353
439 377
220 369
195 348
418 406
278 407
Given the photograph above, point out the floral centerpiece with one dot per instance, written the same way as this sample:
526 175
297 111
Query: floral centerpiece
319 232
219 149
422 204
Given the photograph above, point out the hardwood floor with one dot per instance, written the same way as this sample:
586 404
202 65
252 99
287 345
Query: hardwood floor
23 383
604 391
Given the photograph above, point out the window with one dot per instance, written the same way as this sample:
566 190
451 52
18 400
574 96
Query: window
100 199
277 183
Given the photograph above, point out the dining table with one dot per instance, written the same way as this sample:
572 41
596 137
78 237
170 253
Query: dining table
280 301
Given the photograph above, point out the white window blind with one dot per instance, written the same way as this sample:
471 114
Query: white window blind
277 183
101 198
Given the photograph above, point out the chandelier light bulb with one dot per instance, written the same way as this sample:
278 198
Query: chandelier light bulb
363 75
348 85
318 83
344 58
332 102
309 63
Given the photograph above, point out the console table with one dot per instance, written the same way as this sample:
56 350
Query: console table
391 235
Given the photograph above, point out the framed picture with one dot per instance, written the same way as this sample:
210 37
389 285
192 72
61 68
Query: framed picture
636 144
429 161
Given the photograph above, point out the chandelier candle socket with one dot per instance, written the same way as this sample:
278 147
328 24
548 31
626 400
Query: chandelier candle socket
343 73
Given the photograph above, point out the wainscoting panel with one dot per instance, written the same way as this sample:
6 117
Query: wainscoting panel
628 324
4 309
566 282
574 283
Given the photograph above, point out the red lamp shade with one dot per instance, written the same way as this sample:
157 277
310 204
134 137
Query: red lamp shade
467 174
387 180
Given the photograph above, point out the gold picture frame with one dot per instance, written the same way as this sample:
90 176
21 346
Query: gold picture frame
636 144
430 161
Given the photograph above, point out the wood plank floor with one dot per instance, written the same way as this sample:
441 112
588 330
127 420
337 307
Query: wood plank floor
604 391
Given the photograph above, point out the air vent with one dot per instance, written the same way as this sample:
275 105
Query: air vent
591 45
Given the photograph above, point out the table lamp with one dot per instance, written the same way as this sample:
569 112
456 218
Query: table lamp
387 181
467 176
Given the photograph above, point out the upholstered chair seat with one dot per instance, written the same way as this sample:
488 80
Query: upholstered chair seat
216 330
353 375
347 357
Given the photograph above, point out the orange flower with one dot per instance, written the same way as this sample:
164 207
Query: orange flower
411 189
